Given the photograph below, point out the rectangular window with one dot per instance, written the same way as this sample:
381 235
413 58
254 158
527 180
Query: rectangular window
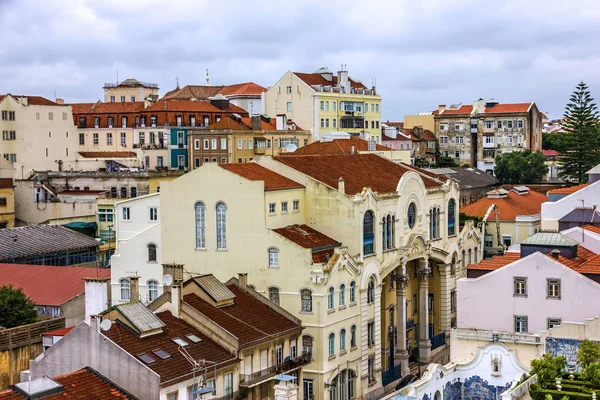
109 138
372 107
133 192
2 201
510 124
296 205
81 139
4 115
499 125
376 107
122 99
553 288
95 138
250 144
520 123
172 396
456 153
239 144
289 90
159 162
126 214
153 214
197 144
223 160
284 207
460 139
520 323
223 144
326 122
272 208
489 124
520 286
453 301
326 106
213 144
322 105
142 138
13 157
322 122
123 139
499 139
51 116
334 105
334 120
206 144
228 384
552 322
289 106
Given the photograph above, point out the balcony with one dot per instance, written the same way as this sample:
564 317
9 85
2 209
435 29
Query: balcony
287 366
260 151
150 146
489 155
489 144
438 340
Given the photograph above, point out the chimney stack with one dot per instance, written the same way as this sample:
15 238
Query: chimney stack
441 107
60 101
175 299
256 123
243 280
97 296
341 185
555 253
134 287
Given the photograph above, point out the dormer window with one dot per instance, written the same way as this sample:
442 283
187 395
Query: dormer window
153 120
111 121
96 122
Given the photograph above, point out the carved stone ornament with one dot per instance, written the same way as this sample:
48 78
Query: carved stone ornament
401 280
423 273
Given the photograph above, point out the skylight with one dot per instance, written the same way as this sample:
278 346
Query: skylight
180 342
161 353
146 358
193 338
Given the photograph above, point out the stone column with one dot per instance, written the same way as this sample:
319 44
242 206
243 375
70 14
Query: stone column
424 342
401 355
445 309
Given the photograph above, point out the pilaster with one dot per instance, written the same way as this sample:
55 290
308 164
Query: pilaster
424 342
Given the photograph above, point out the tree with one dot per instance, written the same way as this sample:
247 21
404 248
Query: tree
592 373
588 353
547 369
445 162
15 307
520 167
554 141
581 137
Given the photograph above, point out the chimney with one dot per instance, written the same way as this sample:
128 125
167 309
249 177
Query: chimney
134 287
441 107
60 101
256 123
341 185
175 270
95 321
219 101
351 151
175 300
555 253
343 80
23 100
479 106
243 281
97 296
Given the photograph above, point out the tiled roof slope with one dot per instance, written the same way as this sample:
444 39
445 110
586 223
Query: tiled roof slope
84 384
463 109
32 100
592 228
358 170
175 368
508 108
248 319
508 207
305 236
41 239
190 105
107 154
255 172
567 190
48 285
317 79
227 123
59 332
192 91
246 88
337 146
6 183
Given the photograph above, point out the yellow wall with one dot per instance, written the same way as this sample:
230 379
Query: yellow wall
7 213
424 121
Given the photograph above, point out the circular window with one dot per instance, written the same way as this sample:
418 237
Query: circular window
411 215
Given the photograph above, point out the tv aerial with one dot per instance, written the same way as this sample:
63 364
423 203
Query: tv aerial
105 325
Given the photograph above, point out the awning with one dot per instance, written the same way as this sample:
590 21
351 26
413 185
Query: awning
87 228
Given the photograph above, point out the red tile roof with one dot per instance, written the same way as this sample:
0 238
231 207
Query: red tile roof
508 108
317 79
84 384
125 107
107 154
567 190
248 319
82 108
427 135
48 285
592 228
6 183
192 92
245 89
358 170
550 153
463 109
508 207
396 124
264 125
31 100
175 368
191 105
227 123
255 172
59 332
336 146
305 236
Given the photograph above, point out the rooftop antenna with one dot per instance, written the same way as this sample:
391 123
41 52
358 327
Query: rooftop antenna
105 325
177 80
54 94
167 280
117 76
207 78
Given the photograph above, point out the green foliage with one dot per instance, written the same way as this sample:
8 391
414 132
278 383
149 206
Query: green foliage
538 393
547 369
520 167
592 373
422 163
554 141
462 218
581 139
15 307
588 353
445 162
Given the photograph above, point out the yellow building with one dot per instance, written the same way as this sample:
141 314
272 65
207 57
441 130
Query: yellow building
424 120
323 103
7 195
129 91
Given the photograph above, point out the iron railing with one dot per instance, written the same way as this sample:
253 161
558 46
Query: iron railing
438 340
288 364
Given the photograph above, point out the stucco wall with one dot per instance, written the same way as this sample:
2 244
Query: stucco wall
552 212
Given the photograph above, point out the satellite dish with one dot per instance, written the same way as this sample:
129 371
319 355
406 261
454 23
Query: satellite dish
167 280
290 148
106 324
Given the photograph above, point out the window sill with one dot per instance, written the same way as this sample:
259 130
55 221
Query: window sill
390 250
330 311
271 267
296 211
307 312
372 383
221 250
272 214
200 249
520 295
452 236
342 307
552 298
352 304
331 357
284 212
343 352
369 255
353 348
151 262
435 239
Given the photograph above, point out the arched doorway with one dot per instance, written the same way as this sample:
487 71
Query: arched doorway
343 386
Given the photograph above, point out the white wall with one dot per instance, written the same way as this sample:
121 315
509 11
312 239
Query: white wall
586 238
488 302
552 212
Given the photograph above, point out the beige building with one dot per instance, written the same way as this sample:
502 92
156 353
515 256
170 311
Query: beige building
424 120
7 195
37 134
129 90
323 102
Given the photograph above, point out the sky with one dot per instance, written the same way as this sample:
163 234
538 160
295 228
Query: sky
420 53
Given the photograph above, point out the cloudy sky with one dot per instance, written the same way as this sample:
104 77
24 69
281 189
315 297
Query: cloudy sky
421 52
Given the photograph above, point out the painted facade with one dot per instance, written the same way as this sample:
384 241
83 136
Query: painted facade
552 212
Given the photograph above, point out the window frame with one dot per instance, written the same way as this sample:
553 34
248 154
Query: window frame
352 296
519 282
306 305
553 282
125 286
342 295
273 253
274 294
151 289
152 250
521 319
221 225
200 225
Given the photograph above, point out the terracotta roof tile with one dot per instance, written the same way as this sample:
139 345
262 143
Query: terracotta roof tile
83 384
508 108
107 154
247 89
567 190
317 79
250 320
322 257
82 108
307 237
59 332
336 146
48 285
114 108
227 123
359 171
175 368
550 153
592 228
31 100
6 183
255 172
463 109
189 92
190 105
508 207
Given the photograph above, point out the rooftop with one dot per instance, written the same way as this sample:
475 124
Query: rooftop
304 236
509 207
550 153
247 318
107 154
255 172
243 89
567 190
337 146
31 100
358 171
59 332
174 367
139 316
467 178
83 384
315 78
549 239
425 135
204 92
48 285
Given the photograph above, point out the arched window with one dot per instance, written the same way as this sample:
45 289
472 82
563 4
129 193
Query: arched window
411 215
331 344
353 336
453 267
125 292
342 340
451 216
393 232
384 233
432 223
306 296
307 345
221 226
464 258
274 295
152 290
330 294
273 257
476 261
391 316
437 222
368 233
342 294
151 252
352 292
200 225
371 291
388 235
470 260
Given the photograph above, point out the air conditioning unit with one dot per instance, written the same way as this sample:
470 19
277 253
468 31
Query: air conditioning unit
520 145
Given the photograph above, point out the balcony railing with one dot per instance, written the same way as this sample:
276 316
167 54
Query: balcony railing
438 340
410 323
241 395
286 366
